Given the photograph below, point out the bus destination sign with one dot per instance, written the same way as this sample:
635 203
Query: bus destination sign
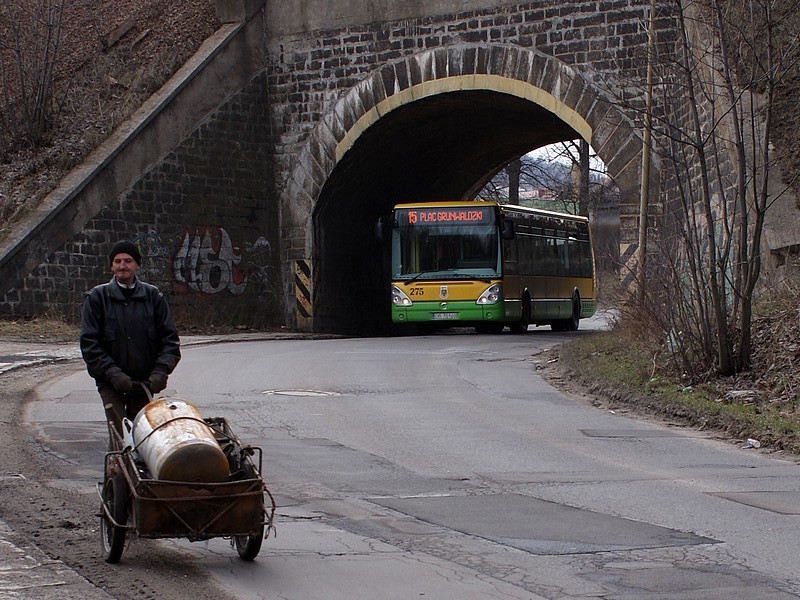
449 215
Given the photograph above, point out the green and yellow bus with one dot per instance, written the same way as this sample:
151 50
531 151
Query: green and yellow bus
490 266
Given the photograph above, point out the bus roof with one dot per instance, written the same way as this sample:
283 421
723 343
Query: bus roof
541 212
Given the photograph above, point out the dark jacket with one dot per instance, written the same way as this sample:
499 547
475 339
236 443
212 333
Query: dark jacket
134 334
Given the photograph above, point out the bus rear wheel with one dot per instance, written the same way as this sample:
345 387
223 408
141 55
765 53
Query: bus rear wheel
574 322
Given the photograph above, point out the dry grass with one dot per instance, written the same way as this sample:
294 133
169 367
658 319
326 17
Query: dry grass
624 368
39 329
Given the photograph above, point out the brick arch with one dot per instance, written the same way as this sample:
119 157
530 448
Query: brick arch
521 72
524 73
455 83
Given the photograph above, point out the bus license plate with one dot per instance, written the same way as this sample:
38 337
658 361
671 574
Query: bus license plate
444 316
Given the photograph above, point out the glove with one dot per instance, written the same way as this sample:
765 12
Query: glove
120 381
157 381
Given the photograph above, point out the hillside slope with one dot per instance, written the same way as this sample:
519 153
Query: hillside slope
112 55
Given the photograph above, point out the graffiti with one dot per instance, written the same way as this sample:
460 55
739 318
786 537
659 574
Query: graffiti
157 252
151 245
207 262
204 261
262 276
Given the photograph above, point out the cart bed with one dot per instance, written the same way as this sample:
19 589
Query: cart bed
195 510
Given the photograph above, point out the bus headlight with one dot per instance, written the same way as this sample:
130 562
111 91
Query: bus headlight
490 296
399 297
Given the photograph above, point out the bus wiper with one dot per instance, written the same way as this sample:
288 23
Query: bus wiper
421 273
451 275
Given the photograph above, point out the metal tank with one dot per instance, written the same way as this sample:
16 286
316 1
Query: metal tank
176 443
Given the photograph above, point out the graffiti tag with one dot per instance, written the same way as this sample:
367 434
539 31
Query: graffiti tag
208 263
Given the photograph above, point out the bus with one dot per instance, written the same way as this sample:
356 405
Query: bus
489 266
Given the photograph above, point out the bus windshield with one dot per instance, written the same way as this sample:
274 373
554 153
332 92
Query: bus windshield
446 251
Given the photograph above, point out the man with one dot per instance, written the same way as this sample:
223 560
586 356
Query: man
127 336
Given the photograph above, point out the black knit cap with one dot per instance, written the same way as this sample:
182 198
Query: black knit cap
127 247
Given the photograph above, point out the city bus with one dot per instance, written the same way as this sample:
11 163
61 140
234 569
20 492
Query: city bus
490 266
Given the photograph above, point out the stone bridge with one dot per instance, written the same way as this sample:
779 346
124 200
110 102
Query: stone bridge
253 180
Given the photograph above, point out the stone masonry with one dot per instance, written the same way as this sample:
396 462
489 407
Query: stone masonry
258 185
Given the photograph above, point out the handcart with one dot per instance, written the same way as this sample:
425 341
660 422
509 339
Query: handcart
133 501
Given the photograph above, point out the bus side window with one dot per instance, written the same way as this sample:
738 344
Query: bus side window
586 259
573 254
510 256
547 257
562 262
558 257
541 256
520 241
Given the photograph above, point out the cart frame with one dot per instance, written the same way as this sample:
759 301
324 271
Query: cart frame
132 502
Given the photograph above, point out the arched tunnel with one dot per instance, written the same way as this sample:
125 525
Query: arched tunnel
443 147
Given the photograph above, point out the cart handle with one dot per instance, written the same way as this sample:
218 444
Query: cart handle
146 388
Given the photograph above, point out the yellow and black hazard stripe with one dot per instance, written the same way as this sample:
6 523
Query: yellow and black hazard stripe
629 259
302 289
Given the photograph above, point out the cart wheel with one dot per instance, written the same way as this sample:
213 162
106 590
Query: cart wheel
248 546
115 497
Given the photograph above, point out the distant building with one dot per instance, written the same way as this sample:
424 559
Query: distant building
537 194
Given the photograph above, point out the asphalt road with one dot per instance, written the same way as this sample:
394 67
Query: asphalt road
444 467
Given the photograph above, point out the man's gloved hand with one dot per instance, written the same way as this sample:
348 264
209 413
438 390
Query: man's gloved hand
157 381
120 381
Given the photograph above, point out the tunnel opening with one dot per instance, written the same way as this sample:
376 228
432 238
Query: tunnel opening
443 147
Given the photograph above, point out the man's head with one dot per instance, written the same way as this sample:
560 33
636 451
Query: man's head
125 260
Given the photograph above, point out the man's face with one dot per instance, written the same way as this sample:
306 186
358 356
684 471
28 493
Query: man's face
124 268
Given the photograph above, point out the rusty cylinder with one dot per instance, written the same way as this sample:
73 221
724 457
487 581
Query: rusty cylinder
177 445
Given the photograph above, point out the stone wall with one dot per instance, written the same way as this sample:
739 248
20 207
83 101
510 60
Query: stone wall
204 219
224 217
323 83
187 178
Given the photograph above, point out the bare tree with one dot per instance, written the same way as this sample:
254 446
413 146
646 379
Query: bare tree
718 98
561 172
513 170
30 36
583 175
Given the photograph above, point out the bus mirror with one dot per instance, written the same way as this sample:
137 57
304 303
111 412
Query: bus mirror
382 227
508 229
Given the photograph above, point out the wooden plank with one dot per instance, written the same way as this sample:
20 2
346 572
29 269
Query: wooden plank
116 35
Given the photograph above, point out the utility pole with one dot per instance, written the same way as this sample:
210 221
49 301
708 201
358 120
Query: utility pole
646 143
